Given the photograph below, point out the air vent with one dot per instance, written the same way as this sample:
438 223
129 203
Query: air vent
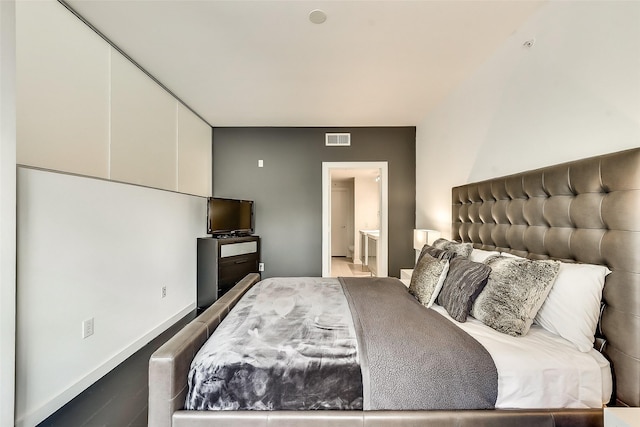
337 139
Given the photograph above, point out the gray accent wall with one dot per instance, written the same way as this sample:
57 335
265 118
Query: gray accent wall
288 190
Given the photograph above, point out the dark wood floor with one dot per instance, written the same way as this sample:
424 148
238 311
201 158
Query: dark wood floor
120 398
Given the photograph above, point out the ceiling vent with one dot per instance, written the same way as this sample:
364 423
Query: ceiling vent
337 139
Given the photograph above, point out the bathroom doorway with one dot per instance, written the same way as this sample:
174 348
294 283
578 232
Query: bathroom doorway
354 199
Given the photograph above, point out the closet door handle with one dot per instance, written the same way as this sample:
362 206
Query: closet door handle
242 261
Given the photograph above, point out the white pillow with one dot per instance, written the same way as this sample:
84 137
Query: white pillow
572 307
508 255
479 255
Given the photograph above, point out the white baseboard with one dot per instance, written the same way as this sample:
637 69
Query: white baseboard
40 414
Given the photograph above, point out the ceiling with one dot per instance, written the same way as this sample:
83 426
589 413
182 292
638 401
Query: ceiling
264 63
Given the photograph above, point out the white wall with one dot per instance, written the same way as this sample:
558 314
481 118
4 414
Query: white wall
575 94
87 247
91 248
7 210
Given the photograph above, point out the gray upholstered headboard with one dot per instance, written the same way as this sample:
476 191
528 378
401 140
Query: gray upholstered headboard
582 211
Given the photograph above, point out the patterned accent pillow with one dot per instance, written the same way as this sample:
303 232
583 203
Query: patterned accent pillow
515 291
460 249
436 253
464 282
427 279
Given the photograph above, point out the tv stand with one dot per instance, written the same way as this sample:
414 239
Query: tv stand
230 236
222 262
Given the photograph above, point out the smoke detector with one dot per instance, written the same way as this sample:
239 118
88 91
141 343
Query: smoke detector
317 16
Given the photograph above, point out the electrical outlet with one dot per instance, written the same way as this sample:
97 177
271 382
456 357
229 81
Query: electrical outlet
261 266
164 291
87 328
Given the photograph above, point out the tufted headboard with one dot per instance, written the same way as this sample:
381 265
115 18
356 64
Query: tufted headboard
582 211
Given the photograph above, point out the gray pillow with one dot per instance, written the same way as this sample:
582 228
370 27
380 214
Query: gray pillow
436 253
460 249
427 279
515 291
464 282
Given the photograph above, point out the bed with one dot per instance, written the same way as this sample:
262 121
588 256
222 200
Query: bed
579 212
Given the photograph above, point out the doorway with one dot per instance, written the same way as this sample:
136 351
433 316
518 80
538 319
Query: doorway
340 183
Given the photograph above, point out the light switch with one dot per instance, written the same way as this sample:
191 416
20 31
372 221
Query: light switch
260 163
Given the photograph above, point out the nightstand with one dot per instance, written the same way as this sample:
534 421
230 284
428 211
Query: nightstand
621 417
405 276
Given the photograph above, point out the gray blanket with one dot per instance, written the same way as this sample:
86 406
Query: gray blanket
412 357
299 344
288 344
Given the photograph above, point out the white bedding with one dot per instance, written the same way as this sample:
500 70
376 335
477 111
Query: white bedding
541 369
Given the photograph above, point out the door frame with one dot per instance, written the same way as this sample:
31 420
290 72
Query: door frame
383 167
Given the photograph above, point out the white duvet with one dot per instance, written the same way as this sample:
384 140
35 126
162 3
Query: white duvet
541 369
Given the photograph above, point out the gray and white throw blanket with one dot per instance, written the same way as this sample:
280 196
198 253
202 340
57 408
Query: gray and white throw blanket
353 343
288 344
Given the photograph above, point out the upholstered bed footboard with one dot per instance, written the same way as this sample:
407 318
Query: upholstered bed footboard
475 418
169 365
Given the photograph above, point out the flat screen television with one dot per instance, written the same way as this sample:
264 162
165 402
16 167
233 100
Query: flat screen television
229 217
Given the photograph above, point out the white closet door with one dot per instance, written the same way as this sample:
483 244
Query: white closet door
194 154
143 128
62 91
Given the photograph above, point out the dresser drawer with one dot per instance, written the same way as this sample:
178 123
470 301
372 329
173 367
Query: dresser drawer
231 270
232 250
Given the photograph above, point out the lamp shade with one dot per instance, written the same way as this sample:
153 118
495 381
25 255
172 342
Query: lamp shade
423 236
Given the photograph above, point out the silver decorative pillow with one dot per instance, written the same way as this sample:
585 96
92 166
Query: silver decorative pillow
464 282
427 279
436 253
515 291
460 249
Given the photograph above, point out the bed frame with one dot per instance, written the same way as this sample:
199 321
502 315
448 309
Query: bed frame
582 211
